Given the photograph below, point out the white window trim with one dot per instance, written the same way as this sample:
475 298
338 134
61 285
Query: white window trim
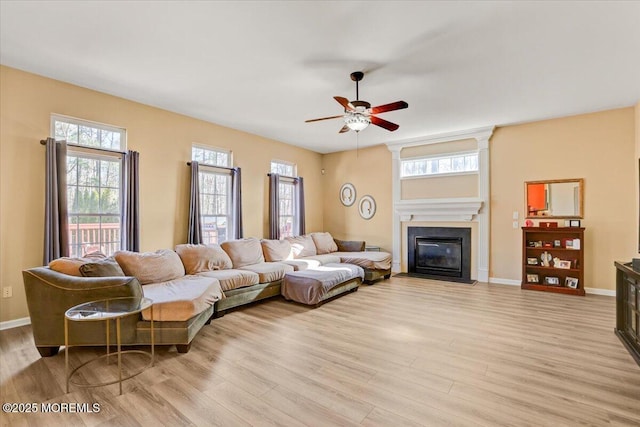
285 162
438 157
89 123
213 148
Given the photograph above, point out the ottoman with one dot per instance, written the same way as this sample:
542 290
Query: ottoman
318 284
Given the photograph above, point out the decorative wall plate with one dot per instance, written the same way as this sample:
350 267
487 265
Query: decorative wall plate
348 194
367 207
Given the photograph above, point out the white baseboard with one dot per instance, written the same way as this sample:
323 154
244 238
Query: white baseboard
598 291
500 281
9 324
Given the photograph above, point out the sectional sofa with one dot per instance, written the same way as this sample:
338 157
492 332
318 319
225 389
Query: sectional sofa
193 284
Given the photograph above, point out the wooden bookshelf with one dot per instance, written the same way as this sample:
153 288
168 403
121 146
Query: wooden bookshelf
565 245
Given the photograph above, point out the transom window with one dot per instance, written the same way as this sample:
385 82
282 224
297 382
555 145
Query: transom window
215 193
458 163
94 184
88 134
211 156
283 168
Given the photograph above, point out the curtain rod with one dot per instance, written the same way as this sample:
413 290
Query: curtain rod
284 176
212 166
44 142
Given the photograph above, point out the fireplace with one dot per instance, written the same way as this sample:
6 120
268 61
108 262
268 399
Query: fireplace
440 253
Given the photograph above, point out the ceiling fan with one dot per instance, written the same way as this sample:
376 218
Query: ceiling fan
359 114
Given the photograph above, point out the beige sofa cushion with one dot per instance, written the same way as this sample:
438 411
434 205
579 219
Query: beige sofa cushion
181 299
269 271
324 243
370 260
198 258
244 251
233 279
305 263
302 246
151 267
276 250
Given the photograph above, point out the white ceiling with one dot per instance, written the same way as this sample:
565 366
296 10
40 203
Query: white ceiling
265 67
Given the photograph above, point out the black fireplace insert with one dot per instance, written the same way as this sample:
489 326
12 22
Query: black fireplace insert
440 253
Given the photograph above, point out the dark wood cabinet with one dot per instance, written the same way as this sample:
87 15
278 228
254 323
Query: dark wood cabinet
553 259
628 308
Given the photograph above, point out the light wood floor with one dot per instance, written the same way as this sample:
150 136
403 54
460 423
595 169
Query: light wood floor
403 352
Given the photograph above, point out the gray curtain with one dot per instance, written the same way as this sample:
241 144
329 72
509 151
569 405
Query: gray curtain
274 206
195 225
300 213
56 221
236 203
131 211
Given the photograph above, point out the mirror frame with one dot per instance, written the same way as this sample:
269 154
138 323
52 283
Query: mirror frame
580 182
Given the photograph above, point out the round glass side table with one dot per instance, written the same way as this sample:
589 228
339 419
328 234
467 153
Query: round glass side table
107 310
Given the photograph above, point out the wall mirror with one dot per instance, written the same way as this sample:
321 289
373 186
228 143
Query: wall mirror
560 198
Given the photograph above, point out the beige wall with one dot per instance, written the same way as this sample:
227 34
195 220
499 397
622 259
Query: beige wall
598 147
369 170
437 187
164 141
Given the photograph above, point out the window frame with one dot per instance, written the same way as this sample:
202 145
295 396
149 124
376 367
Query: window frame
288 181
294 166
93 153
88 123
441 156
216 170
204 147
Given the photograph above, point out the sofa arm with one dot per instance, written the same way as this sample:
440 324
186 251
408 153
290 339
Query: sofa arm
350 245
49 294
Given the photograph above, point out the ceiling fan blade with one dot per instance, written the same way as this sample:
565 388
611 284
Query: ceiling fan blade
383 123
344 129
398 105
324 118
344 102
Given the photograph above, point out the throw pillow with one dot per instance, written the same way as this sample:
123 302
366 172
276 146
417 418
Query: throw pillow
276 250
199 258
107 268
324 243
302 246
243 251
71 265
151 267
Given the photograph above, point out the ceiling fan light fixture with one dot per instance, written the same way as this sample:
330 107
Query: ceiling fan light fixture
357 121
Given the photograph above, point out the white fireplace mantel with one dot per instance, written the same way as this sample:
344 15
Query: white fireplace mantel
458 209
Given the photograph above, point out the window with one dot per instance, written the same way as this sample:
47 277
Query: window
215 193
94 184
287 221
283 168
448 164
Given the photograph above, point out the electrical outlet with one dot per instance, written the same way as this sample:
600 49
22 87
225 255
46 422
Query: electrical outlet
7 292
515 224
515 215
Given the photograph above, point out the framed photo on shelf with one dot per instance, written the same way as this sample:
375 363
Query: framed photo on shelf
551 280
533 278
571 282
563 264
532 261
574 223
567 243
557 243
